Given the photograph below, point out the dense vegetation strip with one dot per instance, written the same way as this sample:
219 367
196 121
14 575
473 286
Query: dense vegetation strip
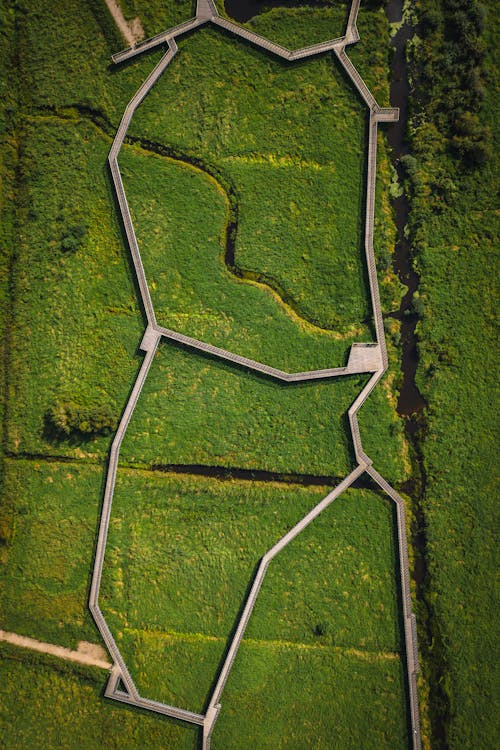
8 166
451 179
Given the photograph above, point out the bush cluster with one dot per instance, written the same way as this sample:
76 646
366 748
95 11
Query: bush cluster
69 419
451 75
73 238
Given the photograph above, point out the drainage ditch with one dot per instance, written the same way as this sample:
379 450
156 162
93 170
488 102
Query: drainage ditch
411 403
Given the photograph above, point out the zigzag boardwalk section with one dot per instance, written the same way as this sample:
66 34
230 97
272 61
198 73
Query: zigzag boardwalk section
363 358
410 625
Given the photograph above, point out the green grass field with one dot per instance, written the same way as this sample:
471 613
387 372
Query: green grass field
62 706
297 190
181 218
80 343
178 565
49 518
275 680
103 298
299 27
74 332
266 425
193 539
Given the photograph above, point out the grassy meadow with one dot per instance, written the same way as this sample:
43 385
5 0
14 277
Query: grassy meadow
87 324
63 704
299 27
307 693
266 425
61 146
282 166
49 518
182 552
296 190
181 217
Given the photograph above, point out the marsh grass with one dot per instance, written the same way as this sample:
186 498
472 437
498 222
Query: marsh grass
75 329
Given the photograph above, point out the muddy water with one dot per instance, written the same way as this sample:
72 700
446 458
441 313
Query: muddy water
410 402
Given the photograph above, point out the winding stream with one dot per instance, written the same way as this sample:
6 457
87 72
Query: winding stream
411 403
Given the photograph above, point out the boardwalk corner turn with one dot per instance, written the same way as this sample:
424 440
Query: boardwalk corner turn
363 358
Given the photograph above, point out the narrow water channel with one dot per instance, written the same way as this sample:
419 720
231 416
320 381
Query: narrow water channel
243 10
411 402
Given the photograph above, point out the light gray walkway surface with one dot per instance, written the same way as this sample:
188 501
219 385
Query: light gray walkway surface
363 358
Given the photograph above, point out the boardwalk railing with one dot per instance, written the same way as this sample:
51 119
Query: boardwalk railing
362 358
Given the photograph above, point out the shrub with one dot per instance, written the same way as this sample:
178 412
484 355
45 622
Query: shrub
73 239
66 419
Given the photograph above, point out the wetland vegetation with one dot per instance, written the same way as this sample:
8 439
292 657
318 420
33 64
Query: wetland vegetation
69 339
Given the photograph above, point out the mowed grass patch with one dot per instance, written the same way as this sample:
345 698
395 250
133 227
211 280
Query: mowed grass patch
77 317
195 409
298 226
49 519
181 216
49 703
183 551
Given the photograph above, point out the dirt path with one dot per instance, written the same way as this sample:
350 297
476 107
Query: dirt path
87 653
131 31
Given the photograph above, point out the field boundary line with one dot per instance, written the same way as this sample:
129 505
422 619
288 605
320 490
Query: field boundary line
271 642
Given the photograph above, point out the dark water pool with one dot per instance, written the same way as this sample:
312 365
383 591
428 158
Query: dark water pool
243 10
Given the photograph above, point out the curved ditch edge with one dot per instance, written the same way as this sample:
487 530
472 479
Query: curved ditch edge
224 184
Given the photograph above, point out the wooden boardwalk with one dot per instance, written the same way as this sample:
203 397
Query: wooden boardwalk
363 358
